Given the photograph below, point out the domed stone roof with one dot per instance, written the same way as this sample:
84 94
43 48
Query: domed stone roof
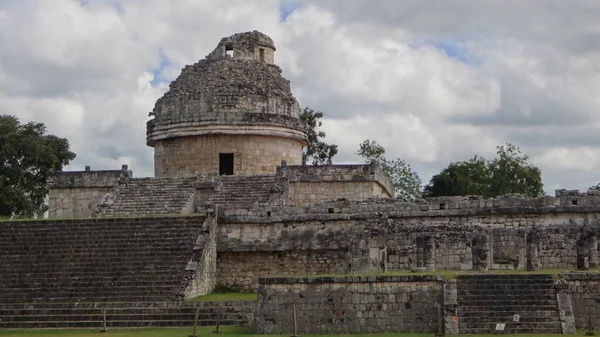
235 85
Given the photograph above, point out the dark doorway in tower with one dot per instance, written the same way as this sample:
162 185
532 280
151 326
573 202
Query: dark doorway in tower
226 164
261 54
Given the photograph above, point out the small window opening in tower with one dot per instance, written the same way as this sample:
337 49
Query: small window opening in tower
261 54
229 51
226 164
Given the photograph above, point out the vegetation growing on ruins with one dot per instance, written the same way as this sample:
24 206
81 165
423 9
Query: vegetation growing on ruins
406 182
509 173
317 150
28 156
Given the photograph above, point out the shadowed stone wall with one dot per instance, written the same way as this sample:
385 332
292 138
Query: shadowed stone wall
585 297
348 304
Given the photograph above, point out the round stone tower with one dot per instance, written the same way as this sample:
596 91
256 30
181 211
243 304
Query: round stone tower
230 113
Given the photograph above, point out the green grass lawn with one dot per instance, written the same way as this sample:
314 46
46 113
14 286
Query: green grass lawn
204 331
226 296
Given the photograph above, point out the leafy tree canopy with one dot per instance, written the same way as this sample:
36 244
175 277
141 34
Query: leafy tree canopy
317 150
406 182
28 156
509 173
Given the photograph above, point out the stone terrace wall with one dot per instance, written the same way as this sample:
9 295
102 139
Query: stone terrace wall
314 184
348 304
241 270
585 297
445 233
75 194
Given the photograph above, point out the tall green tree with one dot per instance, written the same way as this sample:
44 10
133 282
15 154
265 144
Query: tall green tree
510 172
406 182
317 150
28 156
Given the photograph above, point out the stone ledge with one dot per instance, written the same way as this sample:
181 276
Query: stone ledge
87 221
386 208
350 279
583 276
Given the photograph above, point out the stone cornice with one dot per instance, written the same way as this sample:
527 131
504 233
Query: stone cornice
202 129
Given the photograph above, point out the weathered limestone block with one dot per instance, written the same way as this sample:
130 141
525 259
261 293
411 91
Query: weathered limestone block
593 251
429 253
582 253
450 307
565 309
480 250
533 262
201 271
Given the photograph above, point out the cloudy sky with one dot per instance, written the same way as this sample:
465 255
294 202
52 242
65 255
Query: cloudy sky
432 81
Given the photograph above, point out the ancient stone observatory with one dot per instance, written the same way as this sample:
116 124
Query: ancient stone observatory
231 113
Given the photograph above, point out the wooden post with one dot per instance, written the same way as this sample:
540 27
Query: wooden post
103 320
195 323
440 317
294 321
244 319
219 313
590 331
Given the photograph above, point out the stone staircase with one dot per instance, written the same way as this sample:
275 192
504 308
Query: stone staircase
485 300
149 196
244 190
123 314
61 273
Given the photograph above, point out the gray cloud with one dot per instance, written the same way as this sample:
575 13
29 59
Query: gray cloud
433 81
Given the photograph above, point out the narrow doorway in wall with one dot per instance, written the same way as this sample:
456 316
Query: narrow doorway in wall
229 51
226 164
261 54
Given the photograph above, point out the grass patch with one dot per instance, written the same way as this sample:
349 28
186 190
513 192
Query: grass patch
223 293
225 296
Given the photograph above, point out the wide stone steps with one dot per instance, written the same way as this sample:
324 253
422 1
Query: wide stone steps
525 303
243 190
125 314
144 196
516 328
140 259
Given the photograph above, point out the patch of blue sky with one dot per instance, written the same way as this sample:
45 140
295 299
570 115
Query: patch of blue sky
114 3
456 49
158 71
287 7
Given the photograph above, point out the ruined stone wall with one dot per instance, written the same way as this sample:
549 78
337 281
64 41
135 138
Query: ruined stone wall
188 156
388 235
310 184
348 304
241 270
76 194
201 271
585 297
